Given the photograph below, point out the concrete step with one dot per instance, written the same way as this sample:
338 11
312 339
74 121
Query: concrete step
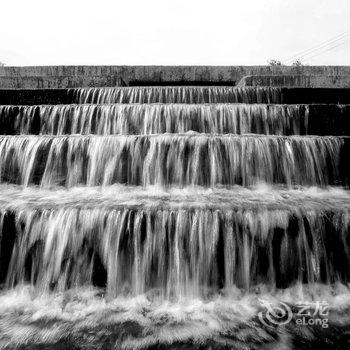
110 221
179 95
307 81
109 119
196 228
229 74
262 197
58 82
174 160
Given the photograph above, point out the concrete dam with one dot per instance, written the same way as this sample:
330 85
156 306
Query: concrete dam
174 207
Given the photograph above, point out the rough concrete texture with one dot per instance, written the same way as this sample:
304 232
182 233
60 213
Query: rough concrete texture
54 82
300 95
153 74
311 81
35 96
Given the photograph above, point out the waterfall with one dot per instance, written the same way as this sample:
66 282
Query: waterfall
145 217
166 159
156 119
180 250
179 94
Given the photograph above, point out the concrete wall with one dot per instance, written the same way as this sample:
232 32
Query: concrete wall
91 75
53 82
310 81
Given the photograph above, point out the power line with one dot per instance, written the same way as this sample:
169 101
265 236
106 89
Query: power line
326 43
322 44
329 49
322 47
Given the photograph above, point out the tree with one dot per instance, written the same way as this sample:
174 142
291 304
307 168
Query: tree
274 63
297 63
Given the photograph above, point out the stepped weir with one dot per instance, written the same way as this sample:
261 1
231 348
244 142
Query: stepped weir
153 217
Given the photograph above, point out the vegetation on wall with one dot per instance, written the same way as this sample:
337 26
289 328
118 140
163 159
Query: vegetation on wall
278 63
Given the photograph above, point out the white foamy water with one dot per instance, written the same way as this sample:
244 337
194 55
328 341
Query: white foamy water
14 197
85 318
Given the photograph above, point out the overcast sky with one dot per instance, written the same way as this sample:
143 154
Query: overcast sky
171 32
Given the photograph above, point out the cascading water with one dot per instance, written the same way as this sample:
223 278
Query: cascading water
125 119
173 242
182 94
159 217
182 159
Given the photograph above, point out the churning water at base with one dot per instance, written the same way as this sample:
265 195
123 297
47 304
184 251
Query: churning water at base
83 318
